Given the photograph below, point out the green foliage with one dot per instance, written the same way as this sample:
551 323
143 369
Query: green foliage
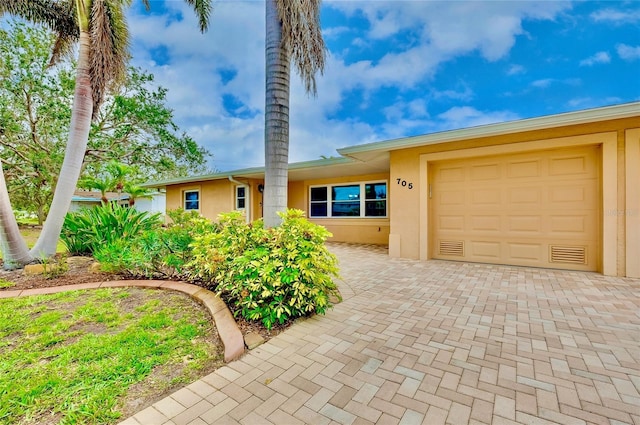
86 231
133 124
54 267
271 275
156 253
35 110
6 283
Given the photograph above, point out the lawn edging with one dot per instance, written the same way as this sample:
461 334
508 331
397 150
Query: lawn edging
228 330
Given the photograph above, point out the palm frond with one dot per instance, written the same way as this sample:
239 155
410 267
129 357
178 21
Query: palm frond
302 38
109 51
202 8
64 43
59 16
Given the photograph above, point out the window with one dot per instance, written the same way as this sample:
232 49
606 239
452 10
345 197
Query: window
375 199
191 200
318 202
241 197
347 200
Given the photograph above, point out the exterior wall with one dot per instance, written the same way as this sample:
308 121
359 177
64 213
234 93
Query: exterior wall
156 204
405 211
256 199
216 197
353 230
297 198
620 141
77 206
631 211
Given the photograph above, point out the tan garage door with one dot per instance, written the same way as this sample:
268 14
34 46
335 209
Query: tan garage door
536 209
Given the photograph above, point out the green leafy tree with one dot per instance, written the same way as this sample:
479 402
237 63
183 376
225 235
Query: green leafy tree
135 127
102 184
101 29
133 124
293 33
34 112
136 192
59 17
117 177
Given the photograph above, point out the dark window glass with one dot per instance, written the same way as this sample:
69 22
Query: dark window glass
319 209
375 191
376 208
240 197
345 209
318 194
192 200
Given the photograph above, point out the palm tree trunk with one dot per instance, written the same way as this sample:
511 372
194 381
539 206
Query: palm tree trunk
14 248
74 155
276 130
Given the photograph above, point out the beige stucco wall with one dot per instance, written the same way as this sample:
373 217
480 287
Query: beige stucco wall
632 203
620 233
218 196
297 198
215 196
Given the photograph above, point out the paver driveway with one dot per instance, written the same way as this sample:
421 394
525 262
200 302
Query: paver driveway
437 342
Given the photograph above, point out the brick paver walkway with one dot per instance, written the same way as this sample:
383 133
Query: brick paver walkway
437 342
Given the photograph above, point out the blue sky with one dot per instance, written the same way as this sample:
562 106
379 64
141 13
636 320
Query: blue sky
394 69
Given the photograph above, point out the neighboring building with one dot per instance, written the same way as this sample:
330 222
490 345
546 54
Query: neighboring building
559 191
89 199
154 203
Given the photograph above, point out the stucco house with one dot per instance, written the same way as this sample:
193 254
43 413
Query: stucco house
560 191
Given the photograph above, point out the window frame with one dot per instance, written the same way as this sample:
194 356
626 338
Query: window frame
185 200
362 198
244 198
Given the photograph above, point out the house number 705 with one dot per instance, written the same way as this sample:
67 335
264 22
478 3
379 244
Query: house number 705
404 183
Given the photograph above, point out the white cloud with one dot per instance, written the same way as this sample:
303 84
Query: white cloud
438 32
466 94
444 30
616 16
628 53
515 69
543 83
467 116
590 102
600 57
333 32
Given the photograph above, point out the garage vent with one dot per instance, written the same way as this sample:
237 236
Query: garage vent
455 248
568 254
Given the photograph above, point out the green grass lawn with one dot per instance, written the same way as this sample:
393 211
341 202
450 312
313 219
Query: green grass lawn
75 357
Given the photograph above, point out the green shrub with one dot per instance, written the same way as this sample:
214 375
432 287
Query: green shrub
271 275
156 253
87 230
54 267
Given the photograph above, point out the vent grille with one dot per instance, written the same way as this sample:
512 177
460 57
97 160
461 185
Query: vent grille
454 248
568 254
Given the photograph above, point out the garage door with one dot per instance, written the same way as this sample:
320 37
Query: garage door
536 209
